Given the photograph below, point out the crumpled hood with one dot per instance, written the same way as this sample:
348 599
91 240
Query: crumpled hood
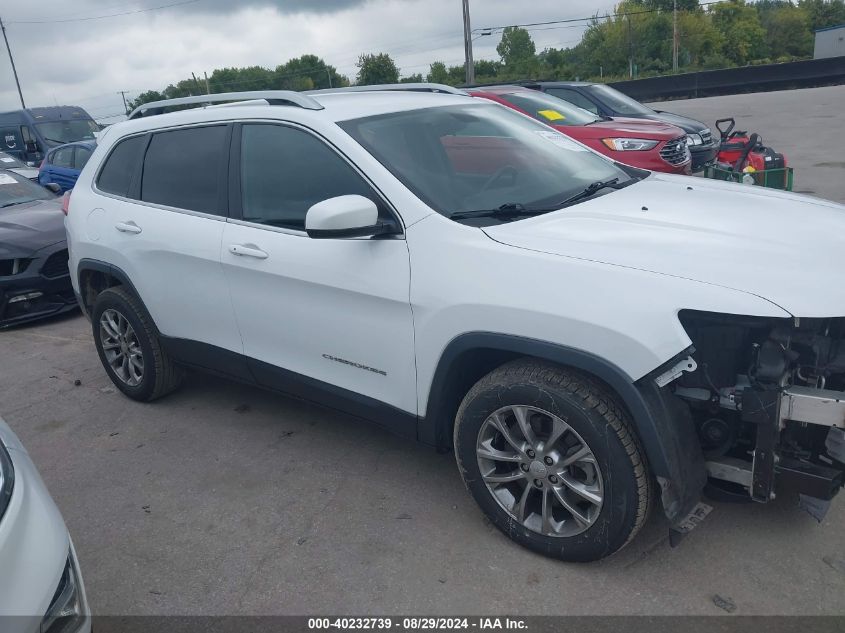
787 248
26 228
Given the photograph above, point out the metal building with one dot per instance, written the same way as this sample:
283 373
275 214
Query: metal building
830 42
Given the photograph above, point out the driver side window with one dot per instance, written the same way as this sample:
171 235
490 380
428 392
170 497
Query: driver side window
575 98
285 171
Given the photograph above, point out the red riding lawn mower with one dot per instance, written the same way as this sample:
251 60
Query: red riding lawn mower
743 158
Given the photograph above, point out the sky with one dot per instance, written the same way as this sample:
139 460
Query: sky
67 53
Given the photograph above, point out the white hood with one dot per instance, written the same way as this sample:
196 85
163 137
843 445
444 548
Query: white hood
787 248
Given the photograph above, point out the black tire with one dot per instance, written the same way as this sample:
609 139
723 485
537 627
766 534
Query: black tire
592 411
160 374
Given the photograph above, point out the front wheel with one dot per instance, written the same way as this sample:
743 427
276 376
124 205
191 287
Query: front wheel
551 459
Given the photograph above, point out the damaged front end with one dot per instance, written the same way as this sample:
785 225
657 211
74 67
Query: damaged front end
767 398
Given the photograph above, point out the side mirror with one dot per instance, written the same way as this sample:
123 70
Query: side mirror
54 187
31 147
346 216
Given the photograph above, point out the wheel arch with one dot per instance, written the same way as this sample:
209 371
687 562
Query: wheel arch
663 425
94 276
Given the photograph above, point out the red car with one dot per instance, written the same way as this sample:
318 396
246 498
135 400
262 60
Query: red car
647 144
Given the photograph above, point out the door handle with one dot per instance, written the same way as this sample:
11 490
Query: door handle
128 227
247 250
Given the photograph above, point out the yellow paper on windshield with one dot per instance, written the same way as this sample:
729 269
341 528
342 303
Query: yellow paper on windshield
551 115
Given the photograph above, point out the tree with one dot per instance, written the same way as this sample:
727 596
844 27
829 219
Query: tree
667 5
698 38
787 29
376 69
145 97
416 78
744 38
486 68
238 79
518 52
823 13
437 73
306 73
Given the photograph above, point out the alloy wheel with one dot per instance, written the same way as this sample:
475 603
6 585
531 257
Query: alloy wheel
540 470
121 347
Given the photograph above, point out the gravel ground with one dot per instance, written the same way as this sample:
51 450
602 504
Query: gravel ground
806 125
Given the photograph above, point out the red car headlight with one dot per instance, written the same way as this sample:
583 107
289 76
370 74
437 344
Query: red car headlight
629 144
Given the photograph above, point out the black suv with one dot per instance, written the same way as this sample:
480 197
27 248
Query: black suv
603 100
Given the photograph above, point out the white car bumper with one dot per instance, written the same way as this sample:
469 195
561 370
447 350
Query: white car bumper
41 589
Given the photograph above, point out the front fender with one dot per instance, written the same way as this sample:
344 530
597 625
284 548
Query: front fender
662 423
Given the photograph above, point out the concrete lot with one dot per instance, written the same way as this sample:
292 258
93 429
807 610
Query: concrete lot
806 125
224 499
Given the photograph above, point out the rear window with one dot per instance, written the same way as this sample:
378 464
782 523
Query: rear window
116 175
183 169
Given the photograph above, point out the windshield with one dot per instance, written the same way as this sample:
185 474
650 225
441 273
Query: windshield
16 189
61 132
549 109
9 162
479 156
618 102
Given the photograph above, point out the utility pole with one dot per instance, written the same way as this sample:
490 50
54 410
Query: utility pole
470 65
675 36
12 59
197 83
630 50
207 88
122 93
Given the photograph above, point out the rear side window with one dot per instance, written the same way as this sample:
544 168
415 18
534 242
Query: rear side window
575 98
81 158
116 175
62 157
182 169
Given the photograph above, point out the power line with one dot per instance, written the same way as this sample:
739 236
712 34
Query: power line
585 19
109 15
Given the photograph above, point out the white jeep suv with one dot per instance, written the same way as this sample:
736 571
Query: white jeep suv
589 338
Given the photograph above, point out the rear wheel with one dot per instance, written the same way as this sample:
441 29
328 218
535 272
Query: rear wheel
551 459
129 348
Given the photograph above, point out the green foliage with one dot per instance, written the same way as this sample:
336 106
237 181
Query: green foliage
666 5
437 73
744 36
376 69
787 28
518 52
301 73
308 72
145 97
416 78
823 13
636 36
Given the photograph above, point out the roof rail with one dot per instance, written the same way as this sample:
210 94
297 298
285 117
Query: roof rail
409 87
515 82
272 97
